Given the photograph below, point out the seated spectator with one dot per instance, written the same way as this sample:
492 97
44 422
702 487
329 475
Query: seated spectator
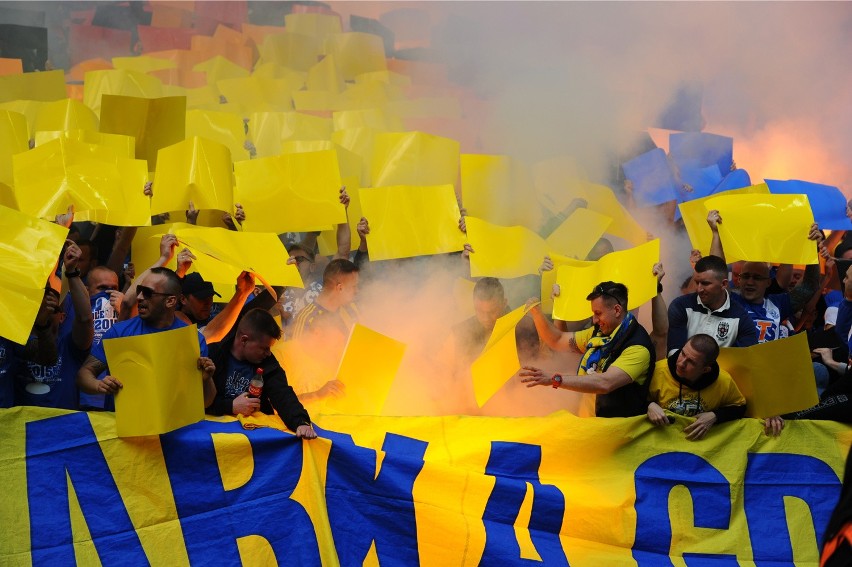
237 361
690 383
618 355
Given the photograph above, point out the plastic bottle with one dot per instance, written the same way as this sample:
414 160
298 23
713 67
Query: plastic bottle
256 384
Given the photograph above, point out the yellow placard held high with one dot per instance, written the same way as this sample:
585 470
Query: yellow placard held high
784 222
155 123
290 193
776 377
367 369
408 221
499 360
118 82
26 268
13 140
548 278
694 215
267 130
629 267
356 53
601 199
160 393
503 251
38 85
578 234
223 127
498 189
66 114
414 158
196 170
124 146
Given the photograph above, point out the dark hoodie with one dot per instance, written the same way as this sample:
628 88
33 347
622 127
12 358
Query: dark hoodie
726 413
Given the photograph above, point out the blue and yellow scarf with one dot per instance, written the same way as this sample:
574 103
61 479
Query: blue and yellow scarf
599 347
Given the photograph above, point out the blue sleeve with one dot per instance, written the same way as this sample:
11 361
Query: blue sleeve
746 332
677 325
202 343
844 320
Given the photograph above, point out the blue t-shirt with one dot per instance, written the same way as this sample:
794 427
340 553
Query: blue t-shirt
239 374
768 315
53 386
8 363
130 328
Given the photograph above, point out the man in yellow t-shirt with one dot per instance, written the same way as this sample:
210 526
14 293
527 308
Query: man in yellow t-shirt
690 383
618 354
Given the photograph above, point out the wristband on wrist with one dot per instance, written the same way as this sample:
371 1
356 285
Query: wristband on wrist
75 273
44 327
556 381
659 287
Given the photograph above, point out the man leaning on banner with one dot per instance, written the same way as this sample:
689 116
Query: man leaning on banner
618 354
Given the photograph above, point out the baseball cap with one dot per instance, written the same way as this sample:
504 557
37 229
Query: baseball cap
193 284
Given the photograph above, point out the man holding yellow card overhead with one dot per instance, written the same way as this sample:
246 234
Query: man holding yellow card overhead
618 355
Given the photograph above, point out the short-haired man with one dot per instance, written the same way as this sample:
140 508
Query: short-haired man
157 299
690 383
618 355
710 310
238 359
333 309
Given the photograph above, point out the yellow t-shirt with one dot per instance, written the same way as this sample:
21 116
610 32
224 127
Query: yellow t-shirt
634 360
667 392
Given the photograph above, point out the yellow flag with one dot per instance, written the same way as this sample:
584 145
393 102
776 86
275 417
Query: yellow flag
414 158
499 360
155 123
784 222
196 170
356 53
119 83
13 140
42 85
502 251
629 267
548 278
694 215
298 51
124 146
67 114
290 193
160 393
267 130
498 189
776 377
578 234
262 254
367 369
408 221
223 127
31 249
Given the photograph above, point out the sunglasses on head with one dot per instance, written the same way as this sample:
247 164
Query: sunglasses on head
599 290
148 293
300 259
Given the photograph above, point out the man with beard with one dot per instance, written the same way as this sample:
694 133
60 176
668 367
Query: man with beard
157 299
690 383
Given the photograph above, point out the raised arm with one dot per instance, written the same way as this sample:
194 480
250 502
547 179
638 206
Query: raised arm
714 219
659 315
82 329
221 324
547 331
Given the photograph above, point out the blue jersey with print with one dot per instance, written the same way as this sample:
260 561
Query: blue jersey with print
768 315
53 386
8 363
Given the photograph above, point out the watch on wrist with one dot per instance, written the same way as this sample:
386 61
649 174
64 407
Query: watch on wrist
556 380
75 273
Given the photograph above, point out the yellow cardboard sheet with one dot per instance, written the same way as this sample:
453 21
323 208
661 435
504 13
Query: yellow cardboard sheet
223 127
268 129
408 221
38 85
548 278
499 361
290 193
163 389
558 181
502 251
155 123
143 63
367 369
319 26
499 190
348 162
356 53
776 377
196 170
124 146
324 76
13 140
262 254
119 83
28 255
327 240
601 199
218 68
694 214
128 205
359 141
297 51
29 108
317 101
376 118
784 222
367 95
578 234
413 158
630 267
67 114
387 77
66 172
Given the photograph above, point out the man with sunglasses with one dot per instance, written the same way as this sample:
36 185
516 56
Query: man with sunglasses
618 355
157 300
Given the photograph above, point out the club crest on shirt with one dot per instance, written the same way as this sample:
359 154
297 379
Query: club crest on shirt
722 330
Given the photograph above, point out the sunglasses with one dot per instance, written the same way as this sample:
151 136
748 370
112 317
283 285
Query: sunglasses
300 259
148 293
599 290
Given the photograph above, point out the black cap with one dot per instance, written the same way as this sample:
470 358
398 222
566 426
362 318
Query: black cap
193 284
